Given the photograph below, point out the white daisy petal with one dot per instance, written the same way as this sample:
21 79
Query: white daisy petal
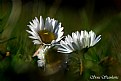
32 28
33 34
36 42
54 25
52 21
48 23
41 24
58 27
75 39
97 40
60 37
60 33
32 25
32 37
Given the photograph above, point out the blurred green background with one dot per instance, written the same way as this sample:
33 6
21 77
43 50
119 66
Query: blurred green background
16 49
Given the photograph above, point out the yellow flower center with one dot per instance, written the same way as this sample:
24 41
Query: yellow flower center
47 36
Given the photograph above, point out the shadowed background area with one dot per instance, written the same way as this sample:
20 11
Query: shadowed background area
16 49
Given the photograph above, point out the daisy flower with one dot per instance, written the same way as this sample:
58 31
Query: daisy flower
78 41
41 56
46 33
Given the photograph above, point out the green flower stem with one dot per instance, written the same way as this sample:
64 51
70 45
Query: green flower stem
81 62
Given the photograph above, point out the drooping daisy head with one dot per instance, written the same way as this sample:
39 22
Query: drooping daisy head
41 56
47 33
77 41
